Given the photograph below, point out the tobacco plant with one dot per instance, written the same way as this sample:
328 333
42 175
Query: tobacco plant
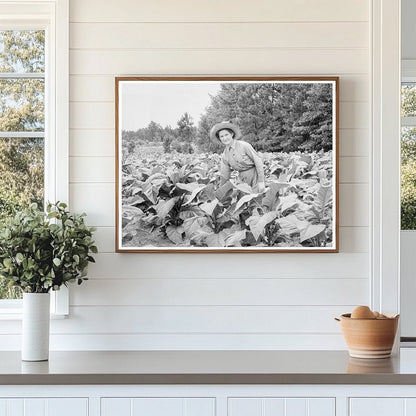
177 200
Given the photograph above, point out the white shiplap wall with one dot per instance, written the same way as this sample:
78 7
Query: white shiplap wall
214 301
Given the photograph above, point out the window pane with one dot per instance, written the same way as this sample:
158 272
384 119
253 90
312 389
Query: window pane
22 105
22 108
408 143
408 100
22 51
21 173
408 178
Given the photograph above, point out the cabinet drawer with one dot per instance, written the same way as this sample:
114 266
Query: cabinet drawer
44 407
281 406
159 406
382 406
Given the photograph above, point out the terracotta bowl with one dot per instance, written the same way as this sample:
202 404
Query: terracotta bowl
369 366
369 338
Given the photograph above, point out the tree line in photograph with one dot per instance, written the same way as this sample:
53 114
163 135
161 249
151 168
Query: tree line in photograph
273 117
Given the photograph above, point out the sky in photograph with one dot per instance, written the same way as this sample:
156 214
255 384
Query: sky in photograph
163 102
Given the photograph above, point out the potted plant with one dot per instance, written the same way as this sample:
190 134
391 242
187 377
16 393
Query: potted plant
40 252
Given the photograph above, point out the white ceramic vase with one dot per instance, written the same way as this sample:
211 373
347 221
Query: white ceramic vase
35 326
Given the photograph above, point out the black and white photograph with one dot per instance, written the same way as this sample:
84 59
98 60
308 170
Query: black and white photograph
227 164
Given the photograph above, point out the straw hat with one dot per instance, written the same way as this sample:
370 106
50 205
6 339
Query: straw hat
213 134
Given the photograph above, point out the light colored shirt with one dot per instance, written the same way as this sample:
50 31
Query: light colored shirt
241 156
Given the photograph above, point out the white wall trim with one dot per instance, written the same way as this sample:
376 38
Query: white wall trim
62 99
385 116
408 238
55 19
59 156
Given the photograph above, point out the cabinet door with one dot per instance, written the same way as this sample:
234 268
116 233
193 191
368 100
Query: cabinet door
376 407
268 406
160 406
44 407
382 406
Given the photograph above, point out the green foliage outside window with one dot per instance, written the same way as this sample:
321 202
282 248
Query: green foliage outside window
21 110
408 179
408 104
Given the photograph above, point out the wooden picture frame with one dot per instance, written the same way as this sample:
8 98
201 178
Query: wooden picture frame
272 187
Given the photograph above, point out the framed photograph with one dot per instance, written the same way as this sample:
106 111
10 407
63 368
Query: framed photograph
226 164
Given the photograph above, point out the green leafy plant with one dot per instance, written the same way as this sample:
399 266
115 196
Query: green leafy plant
43 251
177 200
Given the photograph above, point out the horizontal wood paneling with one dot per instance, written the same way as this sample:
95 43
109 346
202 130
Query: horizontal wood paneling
220 62
354 115
200 319
194 319
92 169
86 115
220 291
96 199
96 88
92 143
235 266
191 341
354 205
218 11
354 170
99 88
354 142
105 239
354 239
218 35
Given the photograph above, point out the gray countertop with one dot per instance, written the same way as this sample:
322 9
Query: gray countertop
208 367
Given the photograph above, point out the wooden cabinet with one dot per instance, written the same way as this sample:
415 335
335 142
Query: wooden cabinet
208 400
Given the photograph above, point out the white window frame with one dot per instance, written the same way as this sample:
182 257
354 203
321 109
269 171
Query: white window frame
408 74
385 159
53 17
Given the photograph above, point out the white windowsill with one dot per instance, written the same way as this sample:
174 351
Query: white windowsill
11 309
11 315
